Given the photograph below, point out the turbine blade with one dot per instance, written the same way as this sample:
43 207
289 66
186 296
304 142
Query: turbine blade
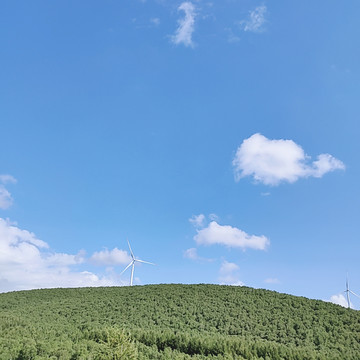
354 294
145 262
126 267
132 254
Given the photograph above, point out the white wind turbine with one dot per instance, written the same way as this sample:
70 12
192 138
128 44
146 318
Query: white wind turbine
132 264
348 292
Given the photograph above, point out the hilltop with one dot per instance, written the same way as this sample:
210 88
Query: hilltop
174 322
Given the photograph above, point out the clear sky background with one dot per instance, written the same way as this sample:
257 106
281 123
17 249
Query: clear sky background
219 137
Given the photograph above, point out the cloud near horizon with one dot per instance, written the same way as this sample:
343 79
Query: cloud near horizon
183 34
274 161
27 262
215 234
339 299
228 274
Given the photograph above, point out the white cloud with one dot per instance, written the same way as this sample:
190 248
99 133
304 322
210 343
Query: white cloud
183 34
274 161
61 259
26 262
5 196
197 220
256 20
191 254
213 217
113 257
229 236
7 179
228 267
228 274
324 164
339 299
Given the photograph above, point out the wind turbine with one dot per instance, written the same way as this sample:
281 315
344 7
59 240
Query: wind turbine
348 292
132 264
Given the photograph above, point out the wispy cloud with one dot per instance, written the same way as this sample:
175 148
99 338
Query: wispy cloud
183 34
215 234
155 21
27 262
229 274
274 161
272 281
255 21
6 199
192 254
231 37
7 179
213 217
197 220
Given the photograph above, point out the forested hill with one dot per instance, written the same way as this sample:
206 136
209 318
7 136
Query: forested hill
174 322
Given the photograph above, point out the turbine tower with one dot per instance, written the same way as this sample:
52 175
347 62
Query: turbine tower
348 292
132 264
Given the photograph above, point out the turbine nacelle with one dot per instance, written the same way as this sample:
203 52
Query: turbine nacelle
132 264
348 292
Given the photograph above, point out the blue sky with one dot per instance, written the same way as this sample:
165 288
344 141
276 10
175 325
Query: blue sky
220 138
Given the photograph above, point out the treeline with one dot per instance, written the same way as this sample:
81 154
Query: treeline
174 322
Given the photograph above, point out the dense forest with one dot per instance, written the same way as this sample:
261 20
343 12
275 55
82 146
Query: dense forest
174 322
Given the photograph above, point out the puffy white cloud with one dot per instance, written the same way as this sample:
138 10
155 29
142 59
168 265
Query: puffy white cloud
324 164
113 257
228 274
183 34
339 299
229 236
197 220
274 161
11 238
256 20
26 262
61 259
5 196
228 267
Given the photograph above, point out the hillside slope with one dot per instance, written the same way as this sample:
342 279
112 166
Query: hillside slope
174 322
